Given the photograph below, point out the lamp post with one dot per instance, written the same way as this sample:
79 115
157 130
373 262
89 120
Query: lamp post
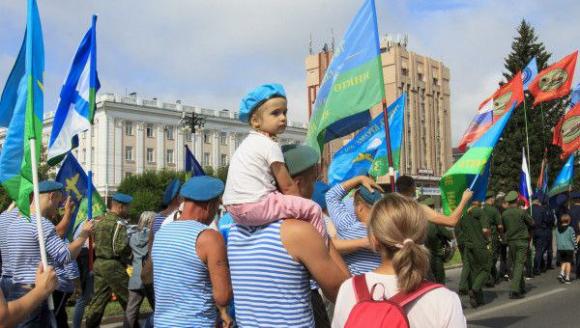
192 121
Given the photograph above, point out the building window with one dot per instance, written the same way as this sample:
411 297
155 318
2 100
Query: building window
84 155
419 76
128 128
150 130
205 159
404 71
206 137
84 135
128 153
170 156
150 155
223 138
224 160
169 132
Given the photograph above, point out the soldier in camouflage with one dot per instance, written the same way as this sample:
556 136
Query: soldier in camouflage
112 254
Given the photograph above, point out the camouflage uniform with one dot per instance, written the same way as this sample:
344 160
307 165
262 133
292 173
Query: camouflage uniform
494 218
112 253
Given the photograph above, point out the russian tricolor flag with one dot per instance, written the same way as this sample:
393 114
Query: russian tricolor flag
525 183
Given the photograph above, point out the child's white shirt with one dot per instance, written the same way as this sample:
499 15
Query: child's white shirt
250 177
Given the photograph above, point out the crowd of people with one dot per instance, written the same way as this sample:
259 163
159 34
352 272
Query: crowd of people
273 247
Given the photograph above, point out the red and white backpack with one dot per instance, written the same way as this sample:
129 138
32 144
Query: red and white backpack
369 313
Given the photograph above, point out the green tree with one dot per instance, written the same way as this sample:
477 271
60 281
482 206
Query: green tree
208 169
147 190
222 173
541 119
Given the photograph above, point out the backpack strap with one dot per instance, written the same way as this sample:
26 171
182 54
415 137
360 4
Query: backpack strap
403 299
361 289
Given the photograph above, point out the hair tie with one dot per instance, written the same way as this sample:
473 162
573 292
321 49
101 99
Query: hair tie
405 242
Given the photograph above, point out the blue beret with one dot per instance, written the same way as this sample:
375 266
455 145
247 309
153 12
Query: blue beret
368 196
258 96
318 196
299 158
202 188
49 186
122 198
171 191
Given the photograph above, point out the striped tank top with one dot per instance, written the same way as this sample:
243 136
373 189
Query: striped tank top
270 288
183 291
6 218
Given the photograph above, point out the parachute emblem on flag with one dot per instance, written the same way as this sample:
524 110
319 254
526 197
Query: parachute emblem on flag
501 103
570 129
553 79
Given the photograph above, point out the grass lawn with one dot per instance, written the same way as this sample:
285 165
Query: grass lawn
455 260
113 309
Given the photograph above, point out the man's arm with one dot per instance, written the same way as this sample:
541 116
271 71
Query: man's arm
453 218
306 245
77 244
344 246
63 225
211 249
13 312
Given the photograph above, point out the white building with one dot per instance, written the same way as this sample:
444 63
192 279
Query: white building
132 135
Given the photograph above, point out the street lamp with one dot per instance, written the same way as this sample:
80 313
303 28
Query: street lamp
192 121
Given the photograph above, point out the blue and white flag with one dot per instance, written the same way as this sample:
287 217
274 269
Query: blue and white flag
574 96
74 113
529 73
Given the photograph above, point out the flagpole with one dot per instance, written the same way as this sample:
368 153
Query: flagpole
527 138
92 85
389 150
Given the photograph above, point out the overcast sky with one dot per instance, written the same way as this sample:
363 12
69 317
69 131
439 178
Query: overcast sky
209 53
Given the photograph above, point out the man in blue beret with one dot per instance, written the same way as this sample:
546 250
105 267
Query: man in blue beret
112 255
282 256
190 263
19 246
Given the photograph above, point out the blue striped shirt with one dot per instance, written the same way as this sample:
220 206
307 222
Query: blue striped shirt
183 290
157 222
270 288
66 275
22 243
6 218
349 227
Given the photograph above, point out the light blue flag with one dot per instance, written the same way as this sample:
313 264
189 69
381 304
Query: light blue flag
575 96
564 179
366 153
74 113
529 73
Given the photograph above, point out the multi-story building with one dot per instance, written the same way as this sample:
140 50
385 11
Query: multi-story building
426 153
132 135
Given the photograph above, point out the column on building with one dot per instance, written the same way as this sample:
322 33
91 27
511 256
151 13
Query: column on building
160 147
100 155
179 150
215 149
232 142
139 151
198 146
119 160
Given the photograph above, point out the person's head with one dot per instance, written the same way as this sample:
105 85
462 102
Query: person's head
364 200
171 198
512 199
51 196
489 198
145 219
397 229
565 219
201 198
302 164
120 204
406 186
265 109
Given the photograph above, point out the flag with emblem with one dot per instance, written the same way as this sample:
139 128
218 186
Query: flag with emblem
75 181
529 73
352 84
192 166
21 112
564 179
467 170
555 81
502 99
366 153
74 113
567 132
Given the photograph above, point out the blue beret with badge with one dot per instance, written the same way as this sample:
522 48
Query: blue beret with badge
202 188
257 97
371 197
319 193
122 198
171 191
49 186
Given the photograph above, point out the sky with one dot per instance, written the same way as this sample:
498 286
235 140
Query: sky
210 53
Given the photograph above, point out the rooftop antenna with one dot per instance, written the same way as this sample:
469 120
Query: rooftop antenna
332 39
310 45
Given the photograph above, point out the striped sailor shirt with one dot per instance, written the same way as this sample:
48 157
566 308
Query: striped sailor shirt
6 218
22 243
349 227
270 288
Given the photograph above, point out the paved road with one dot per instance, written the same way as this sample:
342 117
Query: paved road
547 304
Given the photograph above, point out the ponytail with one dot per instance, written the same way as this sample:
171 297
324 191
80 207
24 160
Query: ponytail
400 227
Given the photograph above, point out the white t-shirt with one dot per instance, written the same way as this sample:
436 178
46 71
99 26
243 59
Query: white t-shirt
249 177
438 308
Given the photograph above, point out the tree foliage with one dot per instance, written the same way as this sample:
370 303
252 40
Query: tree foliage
541 119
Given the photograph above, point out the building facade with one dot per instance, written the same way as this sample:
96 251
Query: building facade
426 153
132 135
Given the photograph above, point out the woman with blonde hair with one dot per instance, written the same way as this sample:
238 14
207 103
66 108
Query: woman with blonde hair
397 230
